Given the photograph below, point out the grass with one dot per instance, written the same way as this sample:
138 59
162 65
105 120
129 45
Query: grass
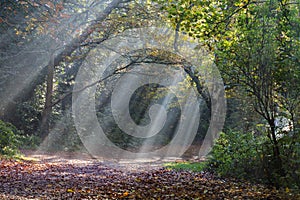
187 166
18 156
25 158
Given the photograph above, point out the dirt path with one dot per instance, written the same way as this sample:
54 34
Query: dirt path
81 158
77 176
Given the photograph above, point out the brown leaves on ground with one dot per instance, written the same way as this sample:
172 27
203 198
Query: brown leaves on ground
98 180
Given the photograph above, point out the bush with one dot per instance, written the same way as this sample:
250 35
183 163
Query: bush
246 156
9 142
235 154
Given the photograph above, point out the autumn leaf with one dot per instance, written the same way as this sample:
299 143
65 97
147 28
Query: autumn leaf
125 194
70 190
92 180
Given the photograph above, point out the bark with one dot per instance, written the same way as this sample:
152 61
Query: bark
201 89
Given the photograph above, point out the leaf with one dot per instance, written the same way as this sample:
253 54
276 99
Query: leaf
101 181
125 194
287 190
18 32
70 190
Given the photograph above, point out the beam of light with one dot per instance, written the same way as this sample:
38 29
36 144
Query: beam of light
100 59
61 37
158 117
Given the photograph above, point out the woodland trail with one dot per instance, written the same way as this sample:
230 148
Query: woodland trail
70 177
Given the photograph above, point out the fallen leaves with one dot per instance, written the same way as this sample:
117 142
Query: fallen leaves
27 180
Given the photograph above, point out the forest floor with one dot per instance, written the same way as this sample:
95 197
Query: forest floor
77 176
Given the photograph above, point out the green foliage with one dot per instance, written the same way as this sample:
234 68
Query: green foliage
256 47
249 156
206 20
8 139
29 115
12 140
290 154
234 154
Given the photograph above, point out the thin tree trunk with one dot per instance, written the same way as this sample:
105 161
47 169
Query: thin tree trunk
55 60
48 102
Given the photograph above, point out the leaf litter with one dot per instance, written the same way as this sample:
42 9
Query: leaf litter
111 180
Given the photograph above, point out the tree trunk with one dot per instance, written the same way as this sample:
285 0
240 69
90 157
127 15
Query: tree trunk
276 150
48 102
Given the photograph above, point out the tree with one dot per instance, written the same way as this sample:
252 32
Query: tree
253 59
256 46
54 32
72 46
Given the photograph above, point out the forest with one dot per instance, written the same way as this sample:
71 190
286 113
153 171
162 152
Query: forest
150 99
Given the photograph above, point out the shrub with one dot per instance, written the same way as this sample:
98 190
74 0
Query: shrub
8 139
235 154
244 155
